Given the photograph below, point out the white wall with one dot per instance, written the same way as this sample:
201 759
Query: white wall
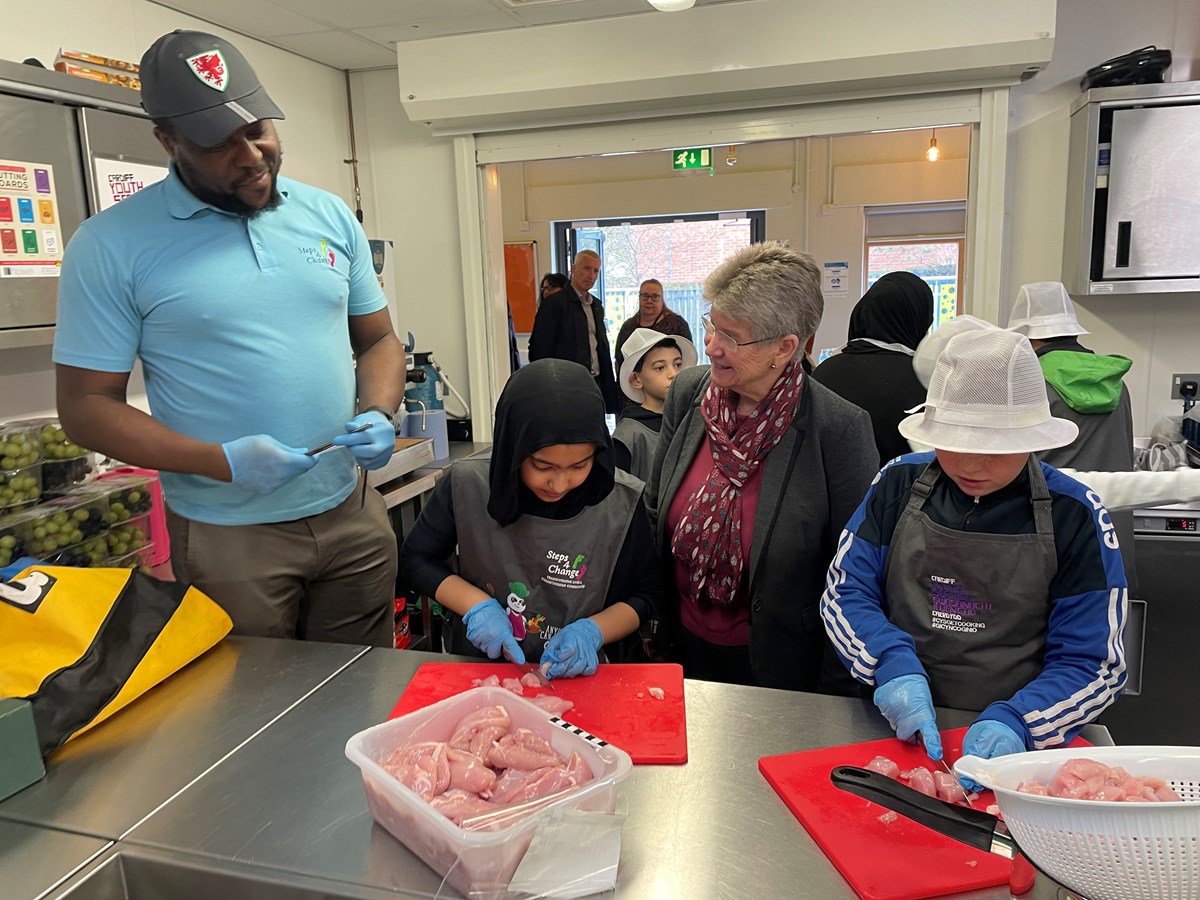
315 135
409 197
1160 333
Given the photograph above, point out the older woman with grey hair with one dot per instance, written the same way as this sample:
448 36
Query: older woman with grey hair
758 470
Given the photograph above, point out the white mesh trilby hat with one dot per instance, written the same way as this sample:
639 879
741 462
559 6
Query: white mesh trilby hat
987 395
934 343
1043 310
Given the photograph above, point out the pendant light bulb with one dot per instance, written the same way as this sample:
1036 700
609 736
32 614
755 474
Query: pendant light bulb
672 5
731 159
933 153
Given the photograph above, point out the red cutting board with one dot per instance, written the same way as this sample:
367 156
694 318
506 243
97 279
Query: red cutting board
606 704
898 860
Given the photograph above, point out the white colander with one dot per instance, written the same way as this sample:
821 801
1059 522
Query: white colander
1102 849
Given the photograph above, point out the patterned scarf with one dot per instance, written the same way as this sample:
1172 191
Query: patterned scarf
709 533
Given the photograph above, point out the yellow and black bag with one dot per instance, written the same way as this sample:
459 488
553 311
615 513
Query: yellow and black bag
80 644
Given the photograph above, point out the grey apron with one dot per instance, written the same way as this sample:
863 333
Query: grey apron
545 572
641 441
977 605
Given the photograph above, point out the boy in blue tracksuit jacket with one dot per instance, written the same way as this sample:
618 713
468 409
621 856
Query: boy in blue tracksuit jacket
976 577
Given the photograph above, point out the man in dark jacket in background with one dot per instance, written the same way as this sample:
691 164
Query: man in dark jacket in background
570 325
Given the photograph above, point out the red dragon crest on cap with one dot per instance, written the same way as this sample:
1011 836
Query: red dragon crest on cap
210 68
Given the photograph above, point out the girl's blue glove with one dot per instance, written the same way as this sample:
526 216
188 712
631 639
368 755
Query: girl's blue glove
489 629
907 705
574 650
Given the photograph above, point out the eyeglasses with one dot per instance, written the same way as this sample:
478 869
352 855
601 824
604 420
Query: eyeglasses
725 340
649 296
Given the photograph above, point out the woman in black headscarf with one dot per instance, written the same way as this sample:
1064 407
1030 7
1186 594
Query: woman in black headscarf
874 370
565 540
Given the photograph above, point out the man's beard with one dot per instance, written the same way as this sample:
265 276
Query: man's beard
228 200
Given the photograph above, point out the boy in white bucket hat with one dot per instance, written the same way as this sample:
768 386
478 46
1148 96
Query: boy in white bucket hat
651 360
977 578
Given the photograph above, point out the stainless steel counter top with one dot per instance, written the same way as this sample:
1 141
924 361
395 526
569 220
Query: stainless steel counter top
109 779
33 860
712 828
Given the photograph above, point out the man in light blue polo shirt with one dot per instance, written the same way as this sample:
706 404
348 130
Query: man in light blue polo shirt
253 305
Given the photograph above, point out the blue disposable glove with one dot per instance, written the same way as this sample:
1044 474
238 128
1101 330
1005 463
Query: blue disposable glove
907 705
261 464
489 629
373 447
988 739
573 651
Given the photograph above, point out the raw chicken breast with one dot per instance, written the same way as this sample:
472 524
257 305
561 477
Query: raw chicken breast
479 730
422 768
523 749
948 788
469 773
530 679
457 805
513 685
556 706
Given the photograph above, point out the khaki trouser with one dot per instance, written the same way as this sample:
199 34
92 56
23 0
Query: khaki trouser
328 577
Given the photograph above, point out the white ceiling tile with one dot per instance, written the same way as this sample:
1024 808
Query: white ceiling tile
338 49
431 28
355 14
256 18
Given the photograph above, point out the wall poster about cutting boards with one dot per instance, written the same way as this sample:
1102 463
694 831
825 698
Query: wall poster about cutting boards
884 857
638 707
521 283
31 243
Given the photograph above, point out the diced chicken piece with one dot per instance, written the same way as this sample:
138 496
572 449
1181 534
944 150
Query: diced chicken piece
921 779
556 706
657 693
490 681
888 817
423 768
884 766
1033 786
513 685
993 810
469 773
530 679
948 788
457 805
523 749
477 731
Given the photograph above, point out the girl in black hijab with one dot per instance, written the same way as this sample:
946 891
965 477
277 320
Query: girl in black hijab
874 370
555 554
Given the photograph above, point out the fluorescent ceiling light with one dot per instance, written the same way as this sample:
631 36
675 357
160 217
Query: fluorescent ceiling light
671 5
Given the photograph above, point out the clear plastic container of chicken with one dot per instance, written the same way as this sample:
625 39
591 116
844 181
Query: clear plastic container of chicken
468 784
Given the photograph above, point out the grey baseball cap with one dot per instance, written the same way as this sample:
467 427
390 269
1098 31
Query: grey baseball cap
203 85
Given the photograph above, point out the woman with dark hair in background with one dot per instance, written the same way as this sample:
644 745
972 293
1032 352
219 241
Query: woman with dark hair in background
874 370
552 283
652 313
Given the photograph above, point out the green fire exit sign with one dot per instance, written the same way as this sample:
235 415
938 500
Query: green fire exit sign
692 158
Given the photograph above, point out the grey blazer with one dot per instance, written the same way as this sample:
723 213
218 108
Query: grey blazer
812 482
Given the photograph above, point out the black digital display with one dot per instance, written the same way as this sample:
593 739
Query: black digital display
1181 524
